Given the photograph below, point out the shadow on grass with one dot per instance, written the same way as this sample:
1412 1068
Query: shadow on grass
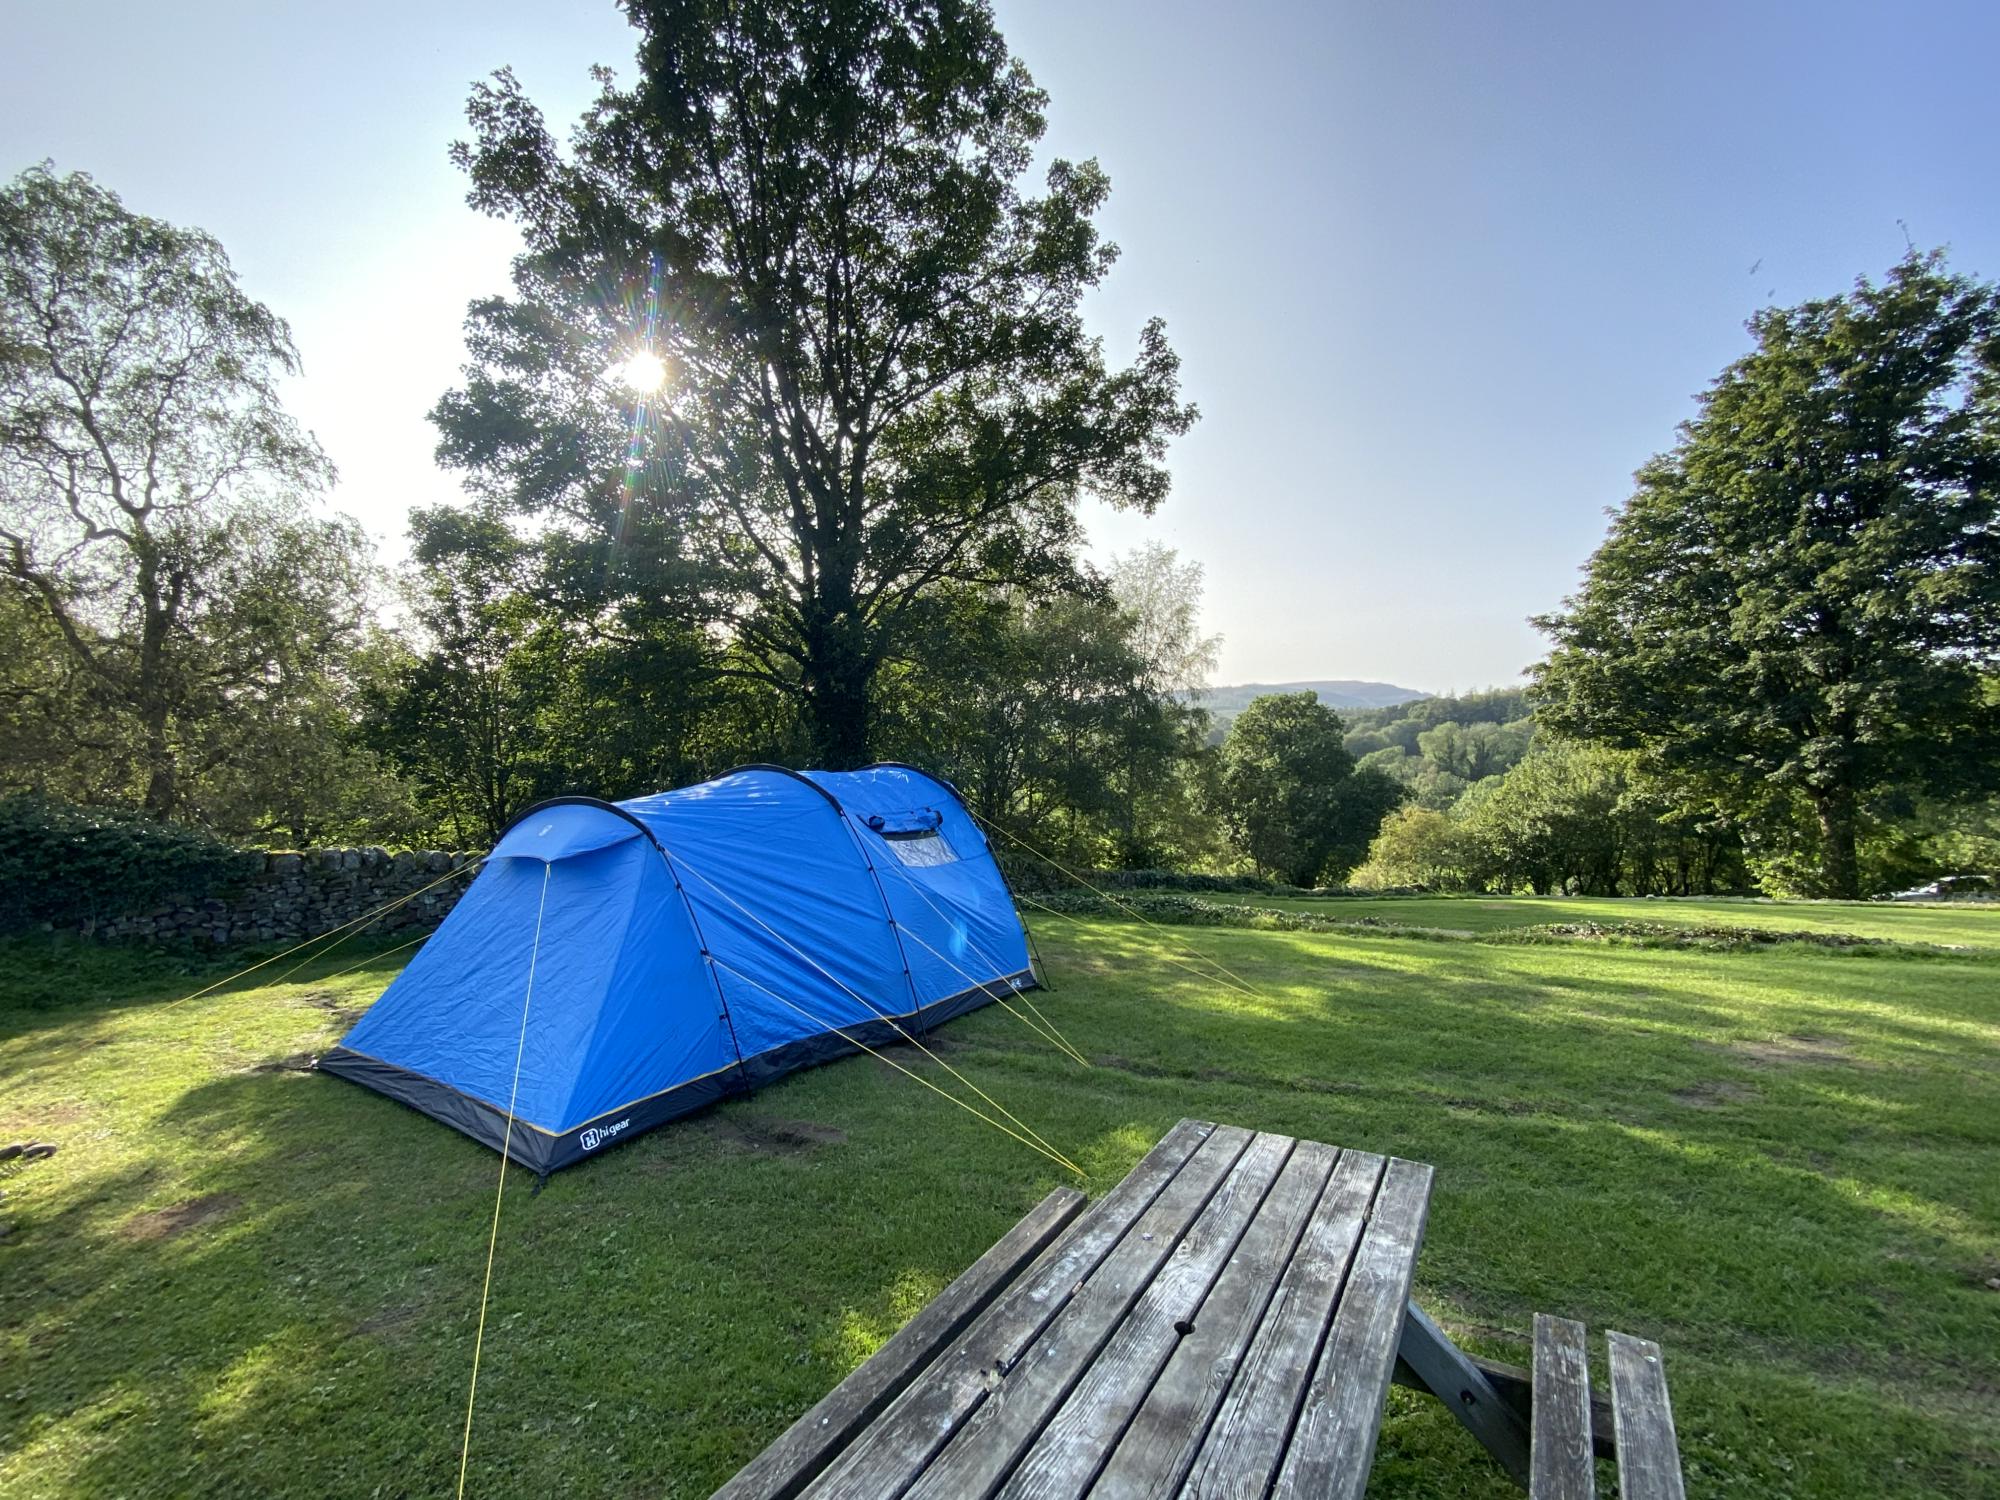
271 1287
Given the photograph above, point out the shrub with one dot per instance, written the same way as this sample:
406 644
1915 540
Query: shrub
69 865
1025 873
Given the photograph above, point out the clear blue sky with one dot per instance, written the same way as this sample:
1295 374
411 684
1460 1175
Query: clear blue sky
1442 275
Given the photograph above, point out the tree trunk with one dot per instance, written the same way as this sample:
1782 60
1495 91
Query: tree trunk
156 621
162 785
1840 867
837 678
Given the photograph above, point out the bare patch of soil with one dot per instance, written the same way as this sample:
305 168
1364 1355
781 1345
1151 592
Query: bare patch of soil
1222 1075
938 1043
762 1137
1512 1107
326 1000
1796 1048
166 1223
390 1322
297 1062
32 1124
1137 1069
1713 1094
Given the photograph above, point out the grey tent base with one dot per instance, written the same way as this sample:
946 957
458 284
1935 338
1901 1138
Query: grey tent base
544 1152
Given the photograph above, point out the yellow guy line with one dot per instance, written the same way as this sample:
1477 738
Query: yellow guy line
506 1140
1046 1031
1051 1034
1046 1150
360 921
1126 907
856 994
374 958
1202 974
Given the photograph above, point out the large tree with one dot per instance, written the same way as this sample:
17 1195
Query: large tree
876 375
153 517
1291 796
1798 602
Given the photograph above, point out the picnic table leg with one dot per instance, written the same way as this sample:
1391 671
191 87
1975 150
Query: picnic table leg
1451 1376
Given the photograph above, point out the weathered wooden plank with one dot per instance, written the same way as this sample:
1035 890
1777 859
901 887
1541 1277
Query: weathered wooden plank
1165 1434
1515 1384
980 1454
1333 1443
1649 1460
884 1458
809 1444
1563 1468
1246 1442
1444 1370
1072 1445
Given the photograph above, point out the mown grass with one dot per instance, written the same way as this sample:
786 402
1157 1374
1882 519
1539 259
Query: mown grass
1961 924
236 1279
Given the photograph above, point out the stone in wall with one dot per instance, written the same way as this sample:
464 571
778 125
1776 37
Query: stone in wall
299 894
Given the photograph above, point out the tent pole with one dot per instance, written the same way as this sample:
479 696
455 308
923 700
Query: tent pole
707 958
902 952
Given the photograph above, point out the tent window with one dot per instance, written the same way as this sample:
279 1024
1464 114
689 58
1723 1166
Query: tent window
928 848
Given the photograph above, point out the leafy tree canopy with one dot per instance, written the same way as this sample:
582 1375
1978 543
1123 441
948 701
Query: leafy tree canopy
1799 601
877 378
155 539
1290 795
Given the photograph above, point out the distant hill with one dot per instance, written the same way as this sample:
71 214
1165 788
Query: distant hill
1227 702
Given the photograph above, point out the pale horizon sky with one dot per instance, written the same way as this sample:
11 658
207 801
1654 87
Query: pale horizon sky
1441 275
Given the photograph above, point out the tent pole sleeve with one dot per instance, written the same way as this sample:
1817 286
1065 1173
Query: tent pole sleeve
707 959
1035 966
888 915
902 952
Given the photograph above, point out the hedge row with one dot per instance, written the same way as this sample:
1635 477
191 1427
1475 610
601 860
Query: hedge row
59 862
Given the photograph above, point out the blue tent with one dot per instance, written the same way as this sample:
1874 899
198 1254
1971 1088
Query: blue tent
687 946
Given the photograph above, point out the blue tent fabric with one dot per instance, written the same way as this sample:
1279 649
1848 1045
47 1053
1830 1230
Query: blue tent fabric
689 945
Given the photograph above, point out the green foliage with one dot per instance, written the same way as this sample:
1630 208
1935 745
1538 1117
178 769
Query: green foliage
517 687
175 613
1420 848
881 381
1568 818
1027 874
1290 794
1437 747
1049 718
1799 602
1587 820
1400 724
58 860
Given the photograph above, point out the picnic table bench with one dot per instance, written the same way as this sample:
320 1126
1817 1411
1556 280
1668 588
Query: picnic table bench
1227 1320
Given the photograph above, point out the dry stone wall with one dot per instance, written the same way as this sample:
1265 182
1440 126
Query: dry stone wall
303 893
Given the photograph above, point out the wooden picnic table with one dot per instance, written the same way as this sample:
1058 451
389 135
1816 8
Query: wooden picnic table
1225 1321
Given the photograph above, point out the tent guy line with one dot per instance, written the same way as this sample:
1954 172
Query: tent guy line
1123 906
357 924
1204 975
1051 1033
500 1191
1037 1144
901 1030
373 958
1045 1030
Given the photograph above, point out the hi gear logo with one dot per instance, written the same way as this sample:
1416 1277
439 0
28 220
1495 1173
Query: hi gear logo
599 1135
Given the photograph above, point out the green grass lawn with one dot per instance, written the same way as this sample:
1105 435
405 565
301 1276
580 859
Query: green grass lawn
238 1279
1964 924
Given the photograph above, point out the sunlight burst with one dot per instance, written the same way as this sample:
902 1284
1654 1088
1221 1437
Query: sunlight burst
644 373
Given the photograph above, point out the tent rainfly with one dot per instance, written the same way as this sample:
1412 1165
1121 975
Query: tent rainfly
687 946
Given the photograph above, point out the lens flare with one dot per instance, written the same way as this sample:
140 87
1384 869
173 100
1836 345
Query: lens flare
643 373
